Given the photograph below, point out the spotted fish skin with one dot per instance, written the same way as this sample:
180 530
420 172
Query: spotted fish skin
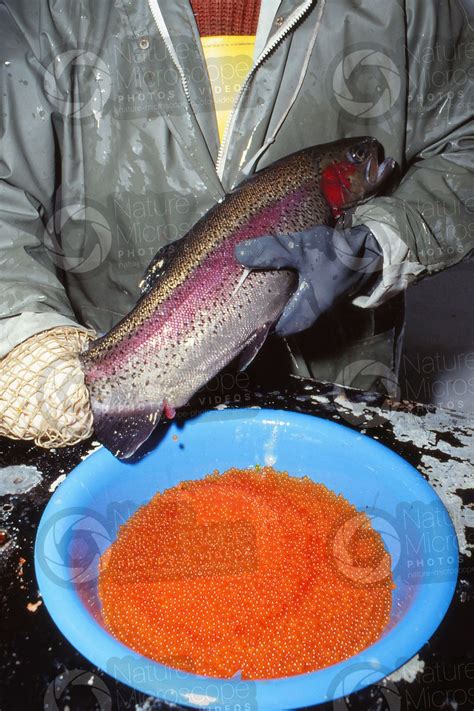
196 314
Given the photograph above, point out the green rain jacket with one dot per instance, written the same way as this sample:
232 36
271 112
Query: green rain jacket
109 150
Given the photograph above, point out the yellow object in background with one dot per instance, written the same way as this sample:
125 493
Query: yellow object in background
229 59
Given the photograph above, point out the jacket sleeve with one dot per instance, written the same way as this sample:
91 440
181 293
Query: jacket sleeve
32 297
427 224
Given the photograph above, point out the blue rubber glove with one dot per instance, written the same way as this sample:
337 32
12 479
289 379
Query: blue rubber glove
331 264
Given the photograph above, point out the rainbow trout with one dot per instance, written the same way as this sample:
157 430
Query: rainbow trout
199 309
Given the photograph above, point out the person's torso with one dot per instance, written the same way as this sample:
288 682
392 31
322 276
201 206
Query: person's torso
134 113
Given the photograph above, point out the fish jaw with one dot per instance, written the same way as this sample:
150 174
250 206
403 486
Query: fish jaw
354 174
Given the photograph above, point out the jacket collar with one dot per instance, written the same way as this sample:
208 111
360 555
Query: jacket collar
266 20
197 128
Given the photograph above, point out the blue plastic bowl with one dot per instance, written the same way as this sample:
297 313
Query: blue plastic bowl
84 514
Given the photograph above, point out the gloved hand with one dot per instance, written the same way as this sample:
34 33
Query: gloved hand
42 392
331 264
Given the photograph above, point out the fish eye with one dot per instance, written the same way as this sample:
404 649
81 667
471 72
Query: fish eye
359 154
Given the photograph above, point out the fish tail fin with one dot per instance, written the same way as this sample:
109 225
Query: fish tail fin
123 419
124 431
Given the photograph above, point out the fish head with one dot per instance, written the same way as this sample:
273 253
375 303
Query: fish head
352 170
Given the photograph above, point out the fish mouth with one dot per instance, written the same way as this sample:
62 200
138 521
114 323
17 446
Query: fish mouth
378 169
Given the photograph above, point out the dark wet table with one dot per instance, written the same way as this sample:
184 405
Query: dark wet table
41 670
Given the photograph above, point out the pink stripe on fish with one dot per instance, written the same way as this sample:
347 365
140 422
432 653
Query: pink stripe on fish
213 279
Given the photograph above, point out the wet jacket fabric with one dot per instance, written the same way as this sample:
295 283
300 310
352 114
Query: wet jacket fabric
109 149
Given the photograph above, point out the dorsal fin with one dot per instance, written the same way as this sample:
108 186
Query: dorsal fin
159 265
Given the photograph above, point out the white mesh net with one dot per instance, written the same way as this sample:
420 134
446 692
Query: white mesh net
42 392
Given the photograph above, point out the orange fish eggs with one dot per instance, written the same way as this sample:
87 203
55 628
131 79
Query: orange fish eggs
250 570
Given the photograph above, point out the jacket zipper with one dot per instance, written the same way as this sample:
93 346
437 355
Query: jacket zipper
224 147
161 25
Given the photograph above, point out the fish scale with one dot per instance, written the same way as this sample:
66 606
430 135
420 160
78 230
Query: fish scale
196 312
